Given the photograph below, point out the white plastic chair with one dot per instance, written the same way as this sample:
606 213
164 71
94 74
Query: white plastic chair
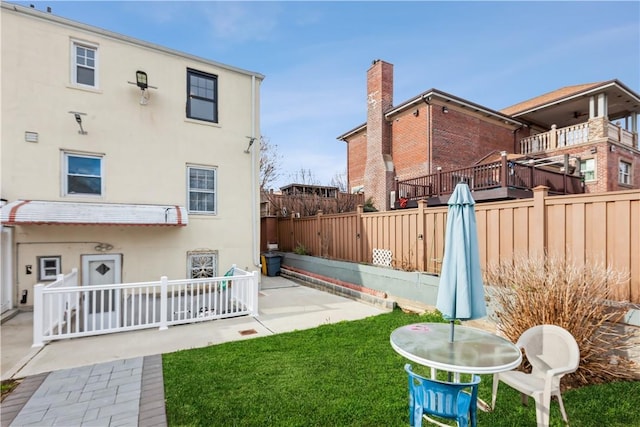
552 352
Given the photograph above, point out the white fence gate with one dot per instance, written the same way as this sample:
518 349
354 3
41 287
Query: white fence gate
59 309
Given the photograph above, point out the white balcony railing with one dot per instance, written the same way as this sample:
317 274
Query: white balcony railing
618 134
555 138
63 309
574 135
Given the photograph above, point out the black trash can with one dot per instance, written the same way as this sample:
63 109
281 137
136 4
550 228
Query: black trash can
273 263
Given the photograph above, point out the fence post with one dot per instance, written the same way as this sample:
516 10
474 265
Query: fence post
38 315
163 303
292 233
564 175
320 235
539 221
358 235
420 239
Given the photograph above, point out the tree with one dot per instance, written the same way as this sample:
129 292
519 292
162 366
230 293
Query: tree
305 177
340 180
269 163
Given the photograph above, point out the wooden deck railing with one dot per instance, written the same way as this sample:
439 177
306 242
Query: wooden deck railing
503 173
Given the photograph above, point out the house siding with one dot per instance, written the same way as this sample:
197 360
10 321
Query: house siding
145 148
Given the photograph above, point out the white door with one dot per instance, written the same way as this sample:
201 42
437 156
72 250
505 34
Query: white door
6 275
101 307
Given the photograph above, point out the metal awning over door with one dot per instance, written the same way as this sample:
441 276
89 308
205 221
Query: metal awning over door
26 212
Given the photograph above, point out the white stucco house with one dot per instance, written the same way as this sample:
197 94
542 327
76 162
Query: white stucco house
123 159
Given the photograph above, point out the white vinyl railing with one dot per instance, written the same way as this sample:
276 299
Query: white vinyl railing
63 309
555 138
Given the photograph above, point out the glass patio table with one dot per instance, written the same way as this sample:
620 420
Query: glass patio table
473 351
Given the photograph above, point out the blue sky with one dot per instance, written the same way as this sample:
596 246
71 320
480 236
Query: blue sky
315 55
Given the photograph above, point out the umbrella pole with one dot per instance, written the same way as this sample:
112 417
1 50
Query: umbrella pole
451 331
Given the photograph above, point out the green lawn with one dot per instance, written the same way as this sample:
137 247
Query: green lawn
344 374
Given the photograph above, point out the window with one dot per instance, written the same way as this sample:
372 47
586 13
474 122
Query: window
82 174
48 267
202 96
203 264
202 190
624 173
84 64
588 169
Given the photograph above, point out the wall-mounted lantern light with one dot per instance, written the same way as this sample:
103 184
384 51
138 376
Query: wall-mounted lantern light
141 80
445 109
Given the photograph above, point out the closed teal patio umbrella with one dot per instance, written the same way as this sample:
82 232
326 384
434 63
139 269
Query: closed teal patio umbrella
461 291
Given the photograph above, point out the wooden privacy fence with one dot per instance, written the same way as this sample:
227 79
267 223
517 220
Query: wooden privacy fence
599 228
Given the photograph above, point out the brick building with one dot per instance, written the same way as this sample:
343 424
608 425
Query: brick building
439 131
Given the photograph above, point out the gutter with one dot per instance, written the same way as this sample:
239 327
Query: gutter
48 16
433 93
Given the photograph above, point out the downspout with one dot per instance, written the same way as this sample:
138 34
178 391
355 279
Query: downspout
254 193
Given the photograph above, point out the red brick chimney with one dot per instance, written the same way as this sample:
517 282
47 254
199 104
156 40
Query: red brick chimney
379 173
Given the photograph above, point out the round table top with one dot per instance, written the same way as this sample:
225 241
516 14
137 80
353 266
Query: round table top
472 351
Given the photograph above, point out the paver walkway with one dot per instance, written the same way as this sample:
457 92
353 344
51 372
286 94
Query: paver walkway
128 392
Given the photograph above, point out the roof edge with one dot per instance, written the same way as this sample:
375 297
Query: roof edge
47 16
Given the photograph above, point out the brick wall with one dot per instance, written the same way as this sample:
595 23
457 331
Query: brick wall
410 148
607 163
461 139
356 159
378 175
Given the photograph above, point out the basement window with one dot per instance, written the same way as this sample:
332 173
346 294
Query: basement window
49 267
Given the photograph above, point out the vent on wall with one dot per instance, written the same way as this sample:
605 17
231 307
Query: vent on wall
31 136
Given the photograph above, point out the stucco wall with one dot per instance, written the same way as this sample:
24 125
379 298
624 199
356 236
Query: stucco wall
145 148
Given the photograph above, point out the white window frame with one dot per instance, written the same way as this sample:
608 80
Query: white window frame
65 173
624 176
214 191
195 266
49 273
583 162
74 65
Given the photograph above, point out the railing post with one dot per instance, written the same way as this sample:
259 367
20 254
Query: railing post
396 189
439 175
553 136
532 167
163 302
38 315
254 293
566 172
503 171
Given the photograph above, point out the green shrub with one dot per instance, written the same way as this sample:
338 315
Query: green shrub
301 250
368 206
